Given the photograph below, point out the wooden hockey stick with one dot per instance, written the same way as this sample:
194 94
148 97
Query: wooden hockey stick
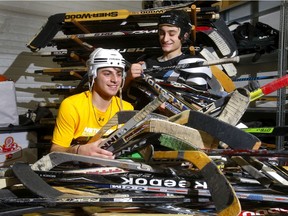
164 127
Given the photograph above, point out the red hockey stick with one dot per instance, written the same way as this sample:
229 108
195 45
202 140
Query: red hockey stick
269 88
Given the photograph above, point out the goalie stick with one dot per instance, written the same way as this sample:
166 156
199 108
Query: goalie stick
236 138
159 126
237 103
220 37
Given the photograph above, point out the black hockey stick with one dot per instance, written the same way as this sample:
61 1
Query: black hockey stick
236 138
193 181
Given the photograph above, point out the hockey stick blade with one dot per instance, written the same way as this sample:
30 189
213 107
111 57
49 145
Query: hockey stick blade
136 119
223 195
229 134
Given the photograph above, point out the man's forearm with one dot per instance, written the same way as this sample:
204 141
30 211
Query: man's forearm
71 149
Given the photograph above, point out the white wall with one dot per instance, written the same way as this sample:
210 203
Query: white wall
19 22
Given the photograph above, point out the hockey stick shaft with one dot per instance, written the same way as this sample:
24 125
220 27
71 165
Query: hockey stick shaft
269 88
277 130
195 64
179 103
254 78
247 152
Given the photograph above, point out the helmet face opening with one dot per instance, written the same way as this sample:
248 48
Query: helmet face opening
101 58
177 18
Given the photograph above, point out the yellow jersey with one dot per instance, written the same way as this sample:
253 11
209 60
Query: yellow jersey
78 117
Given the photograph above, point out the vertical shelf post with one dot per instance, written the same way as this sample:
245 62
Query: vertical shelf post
282 69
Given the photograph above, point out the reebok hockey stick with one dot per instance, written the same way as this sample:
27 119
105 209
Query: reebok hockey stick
269 88
193 181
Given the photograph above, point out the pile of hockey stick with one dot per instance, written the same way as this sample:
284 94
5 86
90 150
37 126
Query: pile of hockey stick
187 179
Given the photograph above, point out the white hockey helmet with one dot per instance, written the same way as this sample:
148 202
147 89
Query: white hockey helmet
101 58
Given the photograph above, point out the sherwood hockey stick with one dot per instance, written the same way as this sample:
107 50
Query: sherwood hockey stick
56 22
269 88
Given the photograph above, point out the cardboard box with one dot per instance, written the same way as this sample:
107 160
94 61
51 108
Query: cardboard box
18 146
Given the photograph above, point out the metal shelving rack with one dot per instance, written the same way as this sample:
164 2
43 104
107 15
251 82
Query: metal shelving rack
276 61
282 69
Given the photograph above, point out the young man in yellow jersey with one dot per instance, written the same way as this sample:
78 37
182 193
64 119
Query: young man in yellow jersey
83 114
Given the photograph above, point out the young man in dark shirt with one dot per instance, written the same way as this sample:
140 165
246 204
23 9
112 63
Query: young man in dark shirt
174 29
